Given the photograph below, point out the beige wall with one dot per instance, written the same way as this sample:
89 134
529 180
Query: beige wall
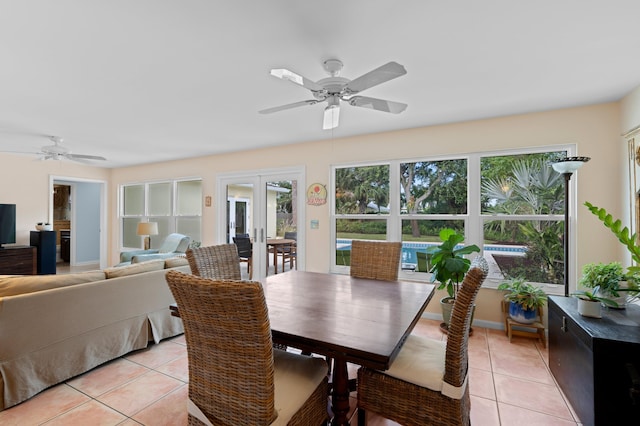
24 181
595 130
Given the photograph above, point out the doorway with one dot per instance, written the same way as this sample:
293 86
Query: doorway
237 216
79 205
264 204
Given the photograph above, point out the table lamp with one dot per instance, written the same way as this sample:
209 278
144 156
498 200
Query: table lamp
147 229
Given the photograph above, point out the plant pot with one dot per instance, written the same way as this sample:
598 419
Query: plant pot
446 303
621 300
521 315
589 308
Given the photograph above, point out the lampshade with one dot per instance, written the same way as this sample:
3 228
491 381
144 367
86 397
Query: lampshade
569 164
147 228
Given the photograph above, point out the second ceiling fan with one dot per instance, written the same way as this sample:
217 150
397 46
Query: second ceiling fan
335 89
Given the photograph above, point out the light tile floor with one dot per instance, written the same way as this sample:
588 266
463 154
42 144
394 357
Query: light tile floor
510 384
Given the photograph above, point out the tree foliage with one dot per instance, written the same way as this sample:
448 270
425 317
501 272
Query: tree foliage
356 187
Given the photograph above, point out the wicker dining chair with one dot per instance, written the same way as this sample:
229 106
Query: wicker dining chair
427 384
377 260
236 377
216 262
220 262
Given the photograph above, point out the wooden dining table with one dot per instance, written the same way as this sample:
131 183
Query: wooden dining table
351 320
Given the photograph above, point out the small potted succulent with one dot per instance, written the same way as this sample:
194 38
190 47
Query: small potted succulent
525 299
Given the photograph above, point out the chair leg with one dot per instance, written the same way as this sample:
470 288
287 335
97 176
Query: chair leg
362 417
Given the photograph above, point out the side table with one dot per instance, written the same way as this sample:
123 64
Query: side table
514 328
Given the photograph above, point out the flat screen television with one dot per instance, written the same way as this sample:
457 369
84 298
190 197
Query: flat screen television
7 224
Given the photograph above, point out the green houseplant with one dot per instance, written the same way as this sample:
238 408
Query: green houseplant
608 278
525 299
449 266
632 276
589 303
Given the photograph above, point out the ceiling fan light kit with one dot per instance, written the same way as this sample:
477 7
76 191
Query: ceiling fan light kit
334 89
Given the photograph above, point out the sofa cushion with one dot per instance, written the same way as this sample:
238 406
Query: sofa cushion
11 286
173 262
134 268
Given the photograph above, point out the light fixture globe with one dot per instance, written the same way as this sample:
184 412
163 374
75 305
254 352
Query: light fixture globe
569 164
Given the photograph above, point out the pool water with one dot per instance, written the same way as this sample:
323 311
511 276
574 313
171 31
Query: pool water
409 249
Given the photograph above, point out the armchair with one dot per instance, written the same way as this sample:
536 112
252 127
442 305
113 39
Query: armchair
173 245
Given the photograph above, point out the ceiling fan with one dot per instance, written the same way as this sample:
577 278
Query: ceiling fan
59 152
335 89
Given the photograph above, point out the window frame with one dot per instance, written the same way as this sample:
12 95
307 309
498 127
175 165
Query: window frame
473 220
146 216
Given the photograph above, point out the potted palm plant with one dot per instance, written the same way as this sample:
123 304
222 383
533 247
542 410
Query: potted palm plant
449 267
525 299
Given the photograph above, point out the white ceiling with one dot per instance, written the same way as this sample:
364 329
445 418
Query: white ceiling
140 81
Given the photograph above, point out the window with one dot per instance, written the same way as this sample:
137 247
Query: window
509 203
522 215
175 205
361 207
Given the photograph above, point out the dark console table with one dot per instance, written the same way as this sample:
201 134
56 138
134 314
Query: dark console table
18 260
45 241
596 362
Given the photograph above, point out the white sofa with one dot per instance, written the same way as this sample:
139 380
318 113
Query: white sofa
54 327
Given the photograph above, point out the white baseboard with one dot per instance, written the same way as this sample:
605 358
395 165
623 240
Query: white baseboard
477 323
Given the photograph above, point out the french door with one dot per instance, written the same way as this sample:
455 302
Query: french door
264 204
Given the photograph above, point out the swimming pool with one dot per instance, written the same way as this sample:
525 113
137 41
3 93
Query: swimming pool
409 249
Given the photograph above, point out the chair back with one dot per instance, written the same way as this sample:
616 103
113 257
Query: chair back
229 347
377 260
457 354
291 235
177 243
215 262
244 245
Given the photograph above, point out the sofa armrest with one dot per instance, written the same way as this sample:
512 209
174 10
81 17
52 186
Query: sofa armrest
126 256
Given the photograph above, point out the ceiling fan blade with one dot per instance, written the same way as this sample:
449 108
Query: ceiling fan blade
288 106
331 117
84 157
21 152
377 104
386 72
293 77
